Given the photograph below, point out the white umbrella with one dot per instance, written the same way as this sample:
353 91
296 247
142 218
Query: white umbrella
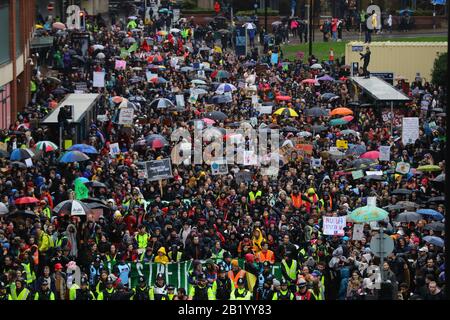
3 209
98 47
198 81
249 25
101 55
316 66
175 30
132 18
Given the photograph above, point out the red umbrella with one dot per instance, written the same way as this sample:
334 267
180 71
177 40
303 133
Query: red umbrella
348 118
26 200
343 79
208 121
283 98
157 144
370 155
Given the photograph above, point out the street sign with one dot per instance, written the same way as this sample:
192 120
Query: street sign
386 242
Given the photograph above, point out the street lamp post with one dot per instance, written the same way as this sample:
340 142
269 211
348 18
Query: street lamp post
310 25
265 15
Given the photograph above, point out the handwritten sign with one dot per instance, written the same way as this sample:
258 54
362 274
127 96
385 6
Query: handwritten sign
126 116
410 130
334 226
358 174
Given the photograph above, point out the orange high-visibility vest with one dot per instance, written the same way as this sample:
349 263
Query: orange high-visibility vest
297 200
240 274
268 256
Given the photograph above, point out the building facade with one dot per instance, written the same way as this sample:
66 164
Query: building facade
16 28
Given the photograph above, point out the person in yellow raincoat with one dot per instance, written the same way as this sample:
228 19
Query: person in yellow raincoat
162 256
257 239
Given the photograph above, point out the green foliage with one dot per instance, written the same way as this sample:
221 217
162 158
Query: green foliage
189 4
260 12
440 69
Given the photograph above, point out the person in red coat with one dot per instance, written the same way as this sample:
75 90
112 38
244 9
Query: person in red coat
217 7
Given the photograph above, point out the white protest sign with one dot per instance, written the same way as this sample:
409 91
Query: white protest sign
99 80
219 167
126 116
29 163
410 130
254 99
374 173
250 158
264 109
385 153
114 149
180 101
334 226
358 231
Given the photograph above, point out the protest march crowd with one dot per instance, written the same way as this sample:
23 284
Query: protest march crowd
89 224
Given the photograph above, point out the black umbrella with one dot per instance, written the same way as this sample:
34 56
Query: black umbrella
440 199
401 191
435 226
365 105
316 112
289 129
96 184
94 200
220 99
161 103
318 128
353 104
408 216
408 204
374 178
95 205
393 207
18 164
216 115
4 154
22 214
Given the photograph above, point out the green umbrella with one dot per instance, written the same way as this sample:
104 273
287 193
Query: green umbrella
429 167
338 122
368 214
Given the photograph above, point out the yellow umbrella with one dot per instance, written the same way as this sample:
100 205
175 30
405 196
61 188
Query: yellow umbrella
39 26
429 167
289 112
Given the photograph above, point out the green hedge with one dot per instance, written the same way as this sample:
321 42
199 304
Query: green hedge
260 12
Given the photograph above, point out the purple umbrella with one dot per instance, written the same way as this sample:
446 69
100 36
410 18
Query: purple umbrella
325 78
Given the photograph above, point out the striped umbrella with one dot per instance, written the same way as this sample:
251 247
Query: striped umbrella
46 146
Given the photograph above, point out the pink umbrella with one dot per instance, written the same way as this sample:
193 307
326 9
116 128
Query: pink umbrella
157 144
348 118
59 26
208 121
370 155
309 81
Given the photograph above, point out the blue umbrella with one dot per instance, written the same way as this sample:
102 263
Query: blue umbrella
73 156
434 240
21 154
436 215
85 148
356 149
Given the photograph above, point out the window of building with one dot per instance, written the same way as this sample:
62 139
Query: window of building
4 32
